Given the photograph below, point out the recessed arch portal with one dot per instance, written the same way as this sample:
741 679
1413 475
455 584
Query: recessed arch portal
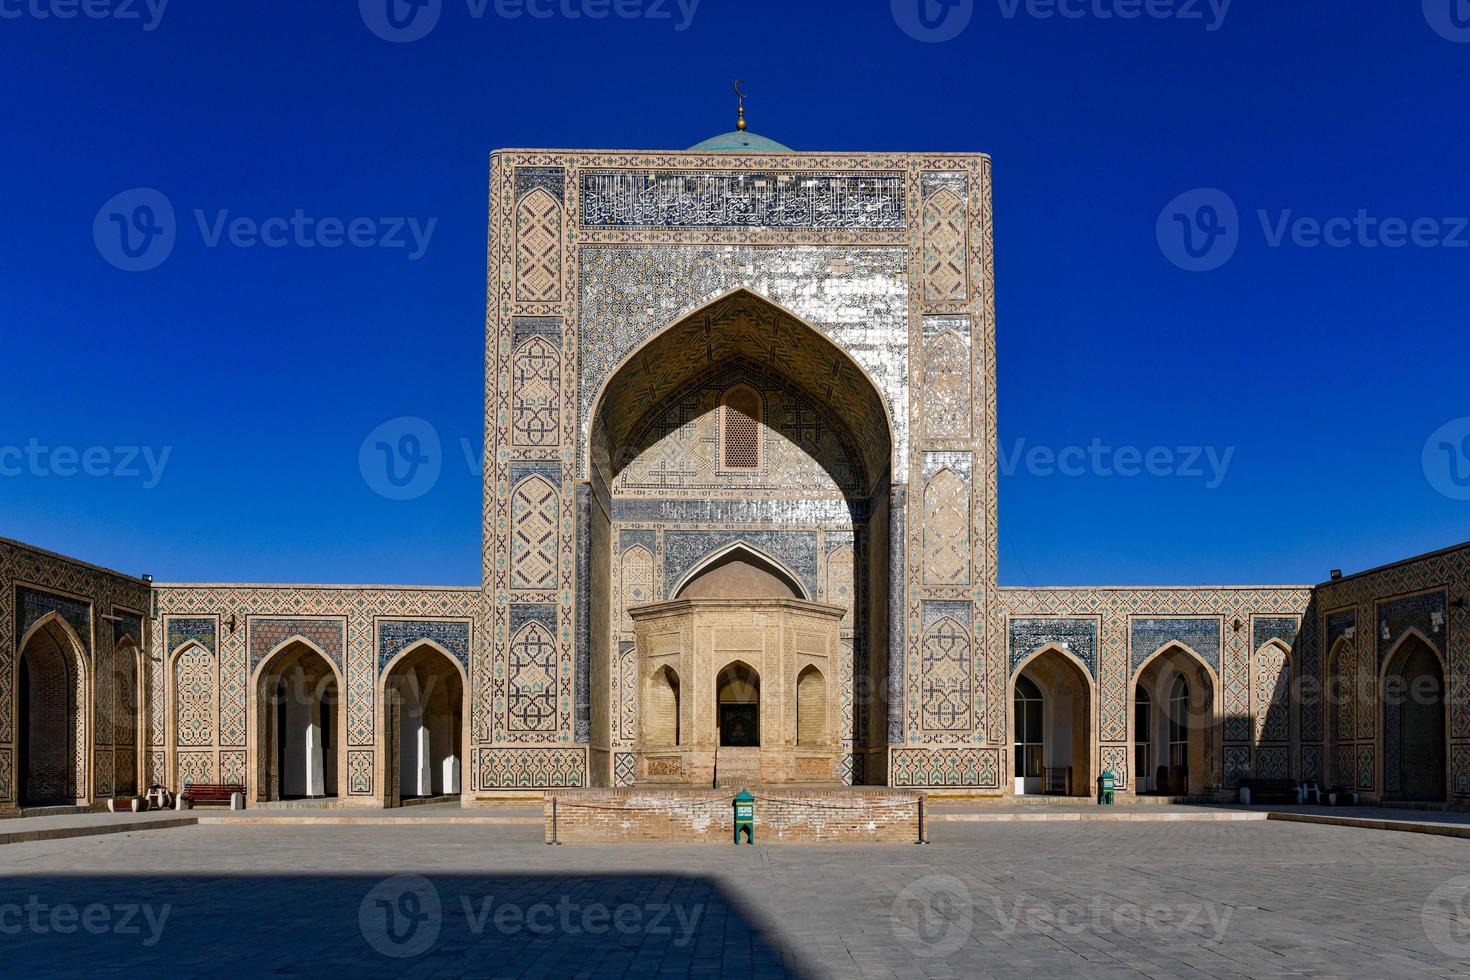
51 731
423 701
1052 702
1178 688
739 462
1414 722
300 723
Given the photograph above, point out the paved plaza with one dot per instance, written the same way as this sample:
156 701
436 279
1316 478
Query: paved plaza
1163 899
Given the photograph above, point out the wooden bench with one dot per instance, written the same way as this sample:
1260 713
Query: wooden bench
1270 790
210 793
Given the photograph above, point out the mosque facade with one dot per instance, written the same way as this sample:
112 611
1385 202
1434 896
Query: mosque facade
739 528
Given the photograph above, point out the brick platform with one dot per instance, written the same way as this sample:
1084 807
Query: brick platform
782 815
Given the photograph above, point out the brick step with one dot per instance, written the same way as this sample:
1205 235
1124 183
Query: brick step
735 768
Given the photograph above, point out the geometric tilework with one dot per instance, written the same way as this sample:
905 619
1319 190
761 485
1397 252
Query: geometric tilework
538 248
1273 690
1201 635
536 394
947 374
31 605
1264 628
269 634
531 667
397 635
947 676
945 245
194 686
1077 636
1424 613
530 768
978 768
535 517
183 630
947 530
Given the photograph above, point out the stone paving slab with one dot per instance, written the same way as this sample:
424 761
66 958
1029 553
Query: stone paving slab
1220 900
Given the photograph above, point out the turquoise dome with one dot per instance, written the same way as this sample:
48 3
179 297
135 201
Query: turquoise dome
739 142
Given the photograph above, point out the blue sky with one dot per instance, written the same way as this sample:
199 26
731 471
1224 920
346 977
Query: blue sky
1322 371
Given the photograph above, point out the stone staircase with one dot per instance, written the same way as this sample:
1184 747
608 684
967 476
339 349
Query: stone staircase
737 768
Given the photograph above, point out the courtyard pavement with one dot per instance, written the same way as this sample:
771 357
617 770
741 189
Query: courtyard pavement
1008 900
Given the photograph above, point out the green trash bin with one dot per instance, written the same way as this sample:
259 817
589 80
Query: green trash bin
1107 786
745 817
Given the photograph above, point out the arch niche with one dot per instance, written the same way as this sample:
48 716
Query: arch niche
1051 698
423 707
1415 722
1174 697
740 464
50 716
300 723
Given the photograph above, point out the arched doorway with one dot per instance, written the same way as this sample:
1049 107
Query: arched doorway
1052 726
1341 697
716 446
127 733
423 726
51 743
811 708
300 722
1414 724
738 707
1174 723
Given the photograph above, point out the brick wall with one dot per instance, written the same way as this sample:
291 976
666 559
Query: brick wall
792 816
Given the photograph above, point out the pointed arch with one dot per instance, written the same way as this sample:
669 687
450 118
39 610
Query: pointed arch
438 742
661 726
635 580
1067 764
536 394
1272 666
796 339
267 711
1393 651
531 679
742 550
52 752
1211 674
538 247
811 707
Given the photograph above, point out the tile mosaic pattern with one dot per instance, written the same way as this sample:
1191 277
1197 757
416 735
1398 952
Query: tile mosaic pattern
397 635
1077 636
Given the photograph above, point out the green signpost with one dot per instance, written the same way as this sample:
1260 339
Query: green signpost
745 817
